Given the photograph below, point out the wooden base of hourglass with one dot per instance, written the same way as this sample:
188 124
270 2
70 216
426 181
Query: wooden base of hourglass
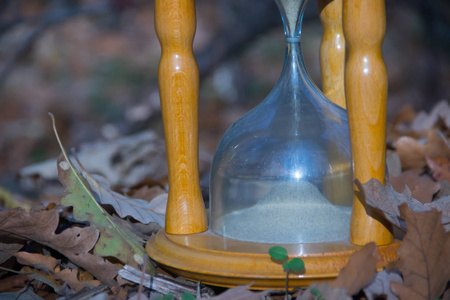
219 261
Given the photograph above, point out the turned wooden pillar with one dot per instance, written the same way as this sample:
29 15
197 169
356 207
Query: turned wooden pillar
332 51
366 92
178 88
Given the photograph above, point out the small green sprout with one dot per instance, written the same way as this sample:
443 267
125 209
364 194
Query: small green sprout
296 264
317 294
278 253
187 296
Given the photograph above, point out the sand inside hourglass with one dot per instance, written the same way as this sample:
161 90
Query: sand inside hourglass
291 212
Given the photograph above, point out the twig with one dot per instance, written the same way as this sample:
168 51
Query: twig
161 284
142 276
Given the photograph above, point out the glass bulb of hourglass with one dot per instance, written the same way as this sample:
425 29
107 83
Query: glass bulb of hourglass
283 172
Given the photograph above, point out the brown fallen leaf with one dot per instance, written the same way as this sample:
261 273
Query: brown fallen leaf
422 187
49 265
386 200
359 271
406 114
41 262
413 153
70 276
424 258
440 167
14 282
74 243
424 121
379 287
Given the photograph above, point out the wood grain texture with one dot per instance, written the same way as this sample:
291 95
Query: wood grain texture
226 262
366 92
178 87
332 51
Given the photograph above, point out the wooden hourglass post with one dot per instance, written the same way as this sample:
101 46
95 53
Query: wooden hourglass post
332 51
366 92
178 88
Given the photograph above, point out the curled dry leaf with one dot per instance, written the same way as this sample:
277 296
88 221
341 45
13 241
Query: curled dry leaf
48 264
41 262
74 243
380 287
425 121
422 187
70 276
440 167
13 282
359 271
413 153
386 200
123 161
141 210
424 258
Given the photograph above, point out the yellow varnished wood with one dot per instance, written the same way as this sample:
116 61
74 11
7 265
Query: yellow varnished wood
226 262
178 87
332 51
366 93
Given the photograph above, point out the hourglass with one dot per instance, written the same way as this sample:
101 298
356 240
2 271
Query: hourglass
282 174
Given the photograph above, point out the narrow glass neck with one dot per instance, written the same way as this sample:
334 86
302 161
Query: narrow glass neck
294 71
292 14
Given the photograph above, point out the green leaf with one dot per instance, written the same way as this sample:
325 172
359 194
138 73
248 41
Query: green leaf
278 253
295 264
115 240
317 294
187 296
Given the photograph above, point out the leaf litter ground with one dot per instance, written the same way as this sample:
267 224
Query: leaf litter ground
76 248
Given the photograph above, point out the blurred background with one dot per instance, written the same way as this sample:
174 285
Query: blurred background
93 64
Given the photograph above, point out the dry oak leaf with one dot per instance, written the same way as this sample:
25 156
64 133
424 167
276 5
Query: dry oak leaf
413 153
424 258
41 262
48 265
70 276
13 282
386 200
440 167
424 121
422 187
74 243
359 271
